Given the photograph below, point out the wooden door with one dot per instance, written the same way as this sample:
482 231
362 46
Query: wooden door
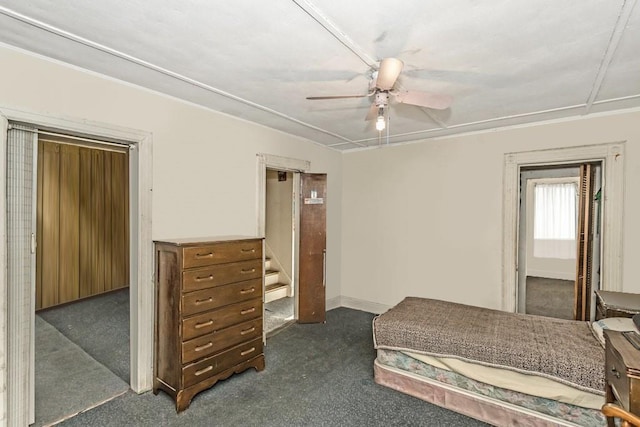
312 248
582 300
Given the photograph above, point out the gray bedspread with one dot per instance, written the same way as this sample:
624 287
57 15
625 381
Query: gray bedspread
564 350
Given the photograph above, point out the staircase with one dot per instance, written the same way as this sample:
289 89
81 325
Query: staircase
274 289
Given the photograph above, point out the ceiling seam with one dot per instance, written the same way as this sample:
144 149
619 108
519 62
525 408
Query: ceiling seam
324 21
110 51
481 122
622 98
614 41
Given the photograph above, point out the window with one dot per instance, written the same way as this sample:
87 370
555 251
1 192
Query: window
554 222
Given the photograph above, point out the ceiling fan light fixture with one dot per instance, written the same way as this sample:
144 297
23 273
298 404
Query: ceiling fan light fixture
380 124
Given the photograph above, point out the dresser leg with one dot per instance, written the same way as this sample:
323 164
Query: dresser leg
183 400
258 363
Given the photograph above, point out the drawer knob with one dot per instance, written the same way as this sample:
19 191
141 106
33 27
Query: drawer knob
204 347
207 255
202 325
615 372
205 370
247 291
247 331
248 310
251 350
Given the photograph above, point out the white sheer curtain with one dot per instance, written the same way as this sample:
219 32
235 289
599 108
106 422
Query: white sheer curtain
554 232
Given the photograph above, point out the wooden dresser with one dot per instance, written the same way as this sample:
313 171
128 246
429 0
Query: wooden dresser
209 313
622 372
616 304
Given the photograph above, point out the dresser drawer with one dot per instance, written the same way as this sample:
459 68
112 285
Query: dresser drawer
217 253
219 340
205 323
207 299
198 371
216 275
616 376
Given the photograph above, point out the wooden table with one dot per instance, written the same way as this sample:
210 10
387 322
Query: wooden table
616 304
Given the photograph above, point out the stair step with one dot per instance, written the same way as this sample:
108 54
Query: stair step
274 287
275 291
271 277
267 263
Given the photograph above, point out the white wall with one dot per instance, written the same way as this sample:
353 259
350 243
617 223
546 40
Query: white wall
425 219
420 219
204 163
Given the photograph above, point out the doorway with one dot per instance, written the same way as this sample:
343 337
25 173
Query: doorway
279 295
611 159
82 254
17 250
292 218
548 265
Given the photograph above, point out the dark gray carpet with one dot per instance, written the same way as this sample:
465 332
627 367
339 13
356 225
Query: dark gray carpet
550 297
67 379
316 375
100 326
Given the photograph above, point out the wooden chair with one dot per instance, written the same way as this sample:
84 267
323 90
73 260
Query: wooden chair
611 411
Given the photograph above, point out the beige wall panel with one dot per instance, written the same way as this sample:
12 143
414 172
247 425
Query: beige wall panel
69 287
426 219
191 145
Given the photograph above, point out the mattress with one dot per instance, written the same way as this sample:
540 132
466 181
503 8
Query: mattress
417 367
533 385
562 350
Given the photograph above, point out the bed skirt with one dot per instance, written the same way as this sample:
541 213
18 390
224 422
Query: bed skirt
482 408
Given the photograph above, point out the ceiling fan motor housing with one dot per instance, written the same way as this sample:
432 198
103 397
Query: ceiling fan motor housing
382 98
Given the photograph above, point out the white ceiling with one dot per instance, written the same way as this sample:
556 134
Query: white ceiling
504 62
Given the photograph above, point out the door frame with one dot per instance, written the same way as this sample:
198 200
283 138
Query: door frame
141 278
612 157
297 166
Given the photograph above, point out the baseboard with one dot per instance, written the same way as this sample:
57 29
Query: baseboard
332 303
552 274
356 304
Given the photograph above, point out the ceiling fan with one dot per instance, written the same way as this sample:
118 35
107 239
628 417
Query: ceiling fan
382 89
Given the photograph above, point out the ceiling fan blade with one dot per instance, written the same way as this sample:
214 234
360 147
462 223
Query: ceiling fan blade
388 73
336 97
424 99
372 113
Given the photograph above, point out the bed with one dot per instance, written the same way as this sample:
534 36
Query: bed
502 368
